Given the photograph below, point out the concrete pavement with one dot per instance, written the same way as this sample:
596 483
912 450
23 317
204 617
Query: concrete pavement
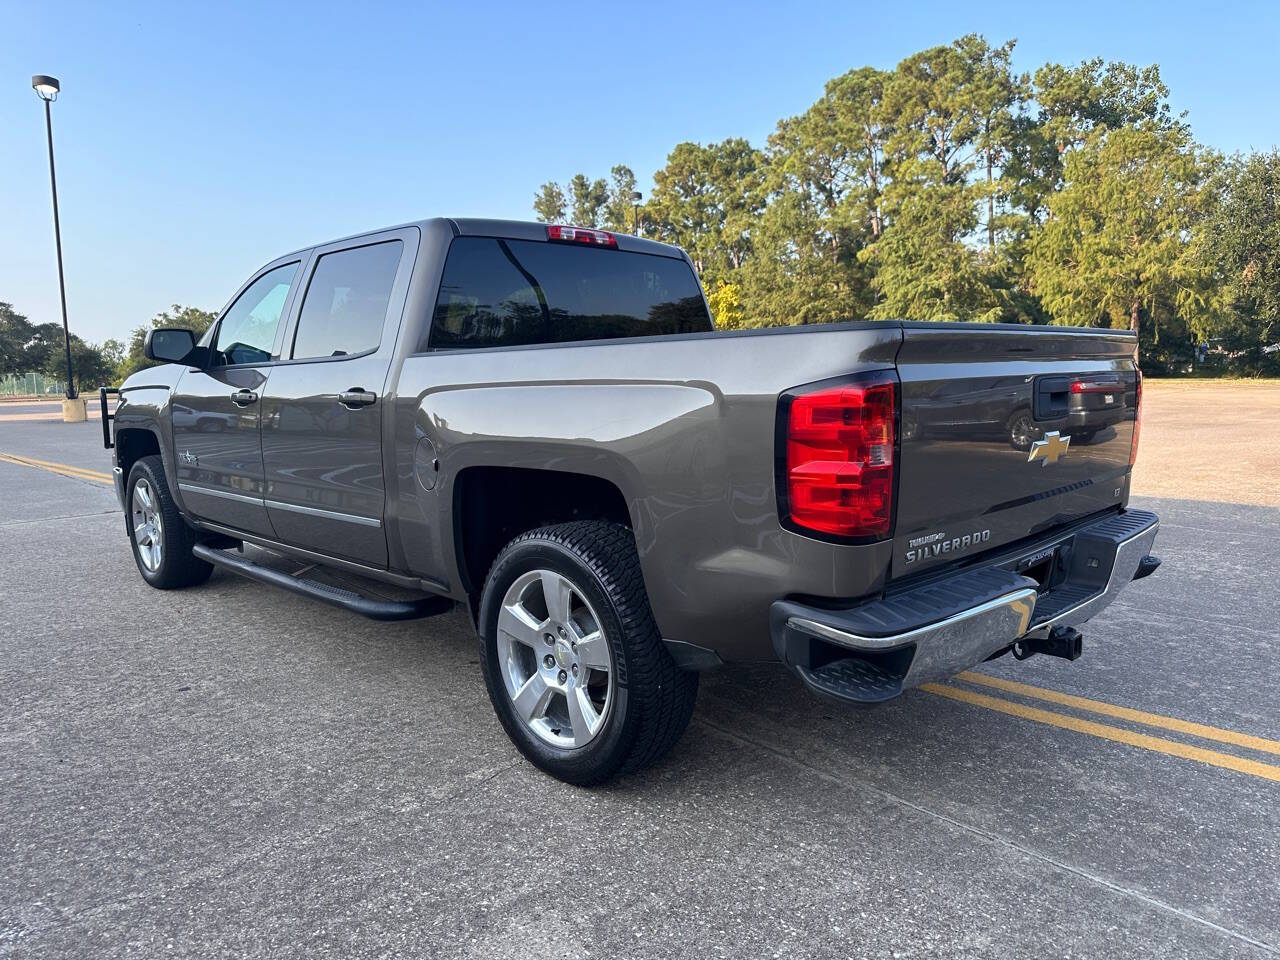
236 771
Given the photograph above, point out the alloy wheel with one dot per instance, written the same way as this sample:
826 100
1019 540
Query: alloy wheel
555 659
148 528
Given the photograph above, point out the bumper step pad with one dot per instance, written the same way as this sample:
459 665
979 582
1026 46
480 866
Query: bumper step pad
852 679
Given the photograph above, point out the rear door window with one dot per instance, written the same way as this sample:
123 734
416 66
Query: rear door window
498 293
346 301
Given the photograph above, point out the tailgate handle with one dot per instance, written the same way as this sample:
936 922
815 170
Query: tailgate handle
1051 397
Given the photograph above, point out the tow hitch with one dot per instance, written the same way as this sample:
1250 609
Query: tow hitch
1064 642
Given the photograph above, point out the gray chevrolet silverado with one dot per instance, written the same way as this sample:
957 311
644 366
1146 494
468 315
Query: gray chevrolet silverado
540 423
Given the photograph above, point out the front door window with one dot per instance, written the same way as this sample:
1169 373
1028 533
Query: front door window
247 333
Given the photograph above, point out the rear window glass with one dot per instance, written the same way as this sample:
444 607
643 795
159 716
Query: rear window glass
501 293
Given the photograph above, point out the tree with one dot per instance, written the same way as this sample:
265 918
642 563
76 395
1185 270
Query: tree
588 199
16 334
549 204
1241 246
725 302
1071 104
954 106
705 200
1122 235
190 318
619 209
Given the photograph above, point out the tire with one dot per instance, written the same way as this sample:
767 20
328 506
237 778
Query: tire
153 520
633 702
1021 430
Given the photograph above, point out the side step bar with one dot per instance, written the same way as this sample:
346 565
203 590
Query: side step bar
374 608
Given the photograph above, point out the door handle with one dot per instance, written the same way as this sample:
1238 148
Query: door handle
242 398
357 397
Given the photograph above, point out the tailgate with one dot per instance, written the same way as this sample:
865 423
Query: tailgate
980 464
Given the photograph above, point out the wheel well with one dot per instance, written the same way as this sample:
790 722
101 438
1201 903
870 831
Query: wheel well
132 445
493 505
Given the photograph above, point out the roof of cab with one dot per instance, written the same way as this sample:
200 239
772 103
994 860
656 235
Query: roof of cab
507 229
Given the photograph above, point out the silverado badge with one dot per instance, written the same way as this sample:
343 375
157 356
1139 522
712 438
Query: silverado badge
1050 449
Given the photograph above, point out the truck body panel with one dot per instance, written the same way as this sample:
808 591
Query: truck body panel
685 428
965 484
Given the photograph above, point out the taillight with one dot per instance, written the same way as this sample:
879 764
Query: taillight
1137 421
839 458
595 238
1094 386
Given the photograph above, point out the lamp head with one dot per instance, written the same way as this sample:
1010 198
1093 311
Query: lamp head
45 87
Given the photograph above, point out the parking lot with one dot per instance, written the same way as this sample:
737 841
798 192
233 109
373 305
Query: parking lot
236 771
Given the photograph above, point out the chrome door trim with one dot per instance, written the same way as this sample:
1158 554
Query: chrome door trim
214 492
327 514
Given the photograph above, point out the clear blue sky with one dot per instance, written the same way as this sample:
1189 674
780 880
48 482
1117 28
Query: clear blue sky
195 144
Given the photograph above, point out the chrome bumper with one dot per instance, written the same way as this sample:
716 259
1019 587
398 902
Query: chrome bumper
873 652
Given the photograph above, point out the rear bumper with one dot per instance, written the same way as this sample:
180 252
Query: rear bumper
872 652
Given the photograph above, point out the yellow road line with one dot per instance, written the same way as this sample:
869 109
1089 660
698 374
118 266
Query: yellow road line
78 473
1255 768
35 417
1125 713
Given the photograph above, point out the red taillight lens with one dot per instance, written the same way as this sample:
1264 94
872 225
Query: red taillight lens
1137 421
1094 386
839 458
595 238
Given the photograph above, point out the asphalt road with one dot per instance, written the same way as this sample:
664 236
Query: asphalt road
235 771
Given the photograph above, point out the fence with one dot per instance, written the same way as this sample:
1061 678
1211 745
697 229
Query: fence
30 385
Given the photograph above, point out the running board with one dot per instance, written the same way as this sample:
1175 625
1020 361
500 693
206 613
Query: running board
374 608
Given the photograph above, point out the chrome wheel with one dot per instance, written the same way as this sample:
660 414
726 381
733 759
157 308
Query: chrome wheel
148 528
1022 431
555 659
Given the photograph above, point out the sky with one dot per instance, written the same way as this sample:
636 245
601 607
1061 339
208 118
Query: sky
196 142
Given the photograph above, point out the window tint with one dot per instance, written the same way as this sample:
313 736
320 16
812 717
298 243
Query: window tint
248 330
346 301
497 293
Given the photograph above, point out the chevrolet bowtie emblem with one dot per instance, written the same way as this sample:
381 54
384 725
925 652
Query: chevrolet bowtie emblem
1049 450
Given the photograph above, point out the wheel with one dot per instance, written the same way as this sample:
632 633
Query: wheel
161 539
1022 430
576 670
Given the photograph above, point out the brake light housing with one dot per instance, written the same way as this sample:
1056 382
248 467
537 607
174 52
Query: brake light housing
1137 419
592 238
837 451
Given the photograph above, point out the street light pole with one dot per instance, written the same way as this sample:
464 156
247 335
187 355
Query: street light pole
636 197
47 89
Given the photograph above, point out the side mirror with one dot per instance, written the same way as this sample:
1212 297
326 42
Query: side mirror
168 345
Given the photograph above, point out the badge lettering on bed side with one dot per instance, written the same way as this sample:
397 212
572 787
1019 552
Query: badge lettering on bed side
189 458
937 544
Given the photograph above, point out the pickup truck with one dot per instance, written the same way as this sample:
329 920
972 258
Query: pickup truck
541 424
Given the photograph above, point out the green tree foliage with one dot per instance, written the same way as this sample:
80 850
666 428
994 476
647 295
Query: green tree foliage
16 333
953 187
549 204
705 200
27 347
589 203
190 318
587 200
1241 247
1120 246
619 209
